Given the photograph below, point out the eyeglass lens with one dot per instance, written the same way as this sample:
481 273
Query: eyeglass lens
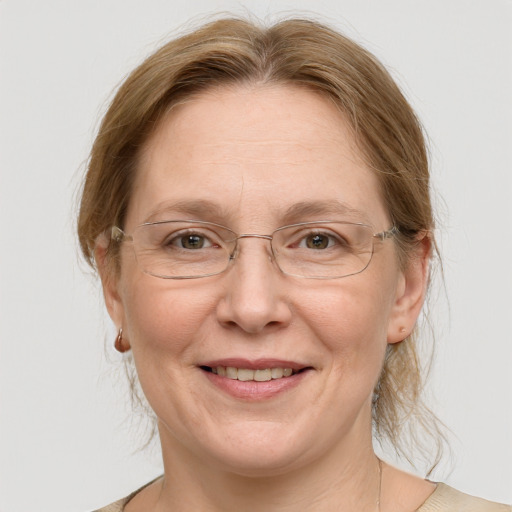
185 249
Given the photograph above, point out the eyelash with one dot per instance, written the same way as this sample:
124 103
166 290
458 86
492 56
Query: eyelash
175 239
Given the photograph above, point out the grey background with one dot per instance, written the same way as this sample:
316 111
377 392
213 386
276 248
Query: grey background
65 444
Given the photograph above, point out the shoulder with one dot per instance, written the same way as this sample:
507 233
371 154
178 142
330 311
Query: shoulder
443 499
118 506
448 499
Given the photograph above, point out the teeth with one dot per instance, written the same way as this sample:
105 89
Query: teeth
231 373
262 375
245 374
277 373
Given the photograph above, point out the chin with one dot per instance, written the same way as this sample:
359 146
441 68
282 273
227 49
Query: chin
260 452
258 465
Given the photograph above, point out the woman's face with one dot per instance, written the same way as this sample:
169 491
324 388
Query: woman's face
254 159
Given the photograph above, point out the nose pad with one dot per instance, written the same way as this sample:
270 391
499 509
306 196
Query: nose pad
236 251
254 298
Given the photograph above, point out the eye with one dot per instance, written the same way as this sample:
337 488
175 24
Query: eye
317 241
330 239
320 240
192 241
189 241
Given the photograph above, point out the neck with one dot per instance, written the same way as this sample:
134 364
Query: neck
345 479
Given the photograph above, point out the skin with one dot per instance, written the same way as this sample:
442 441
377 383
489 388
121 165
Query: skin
255 152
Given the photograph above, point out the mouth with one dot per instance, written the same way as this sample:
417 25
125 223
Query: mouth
256 375
254 380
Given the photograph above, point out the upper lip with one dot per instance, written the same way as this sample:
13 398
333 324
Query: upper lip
255 364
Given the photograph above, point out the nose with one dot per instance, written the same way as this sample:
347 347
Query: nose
255 298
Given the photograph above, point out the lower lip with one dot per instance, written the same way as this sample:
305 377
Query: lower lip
255 391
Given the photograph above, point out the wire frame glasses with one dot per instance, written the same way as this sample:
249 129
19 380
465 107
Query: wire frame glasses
190 249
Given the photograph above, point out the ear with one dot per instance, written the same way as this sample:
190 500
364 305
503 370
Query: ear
109 282
411 291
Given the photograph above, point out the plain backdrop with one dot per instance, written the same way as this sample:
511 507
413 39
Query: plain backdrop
65 444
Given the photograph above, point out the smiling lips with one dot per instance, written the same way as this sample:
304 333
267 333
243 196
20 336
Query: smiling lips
254 379
247 374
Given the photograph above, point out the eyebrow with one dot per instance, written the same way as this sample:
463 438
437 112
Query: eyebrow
298 212
307 209
192 209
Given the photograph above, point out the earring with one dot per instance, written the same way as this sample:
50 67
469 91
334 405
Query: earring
402 330
118 344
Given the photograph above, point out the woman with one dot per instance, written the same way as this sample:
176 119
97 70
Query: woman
257 206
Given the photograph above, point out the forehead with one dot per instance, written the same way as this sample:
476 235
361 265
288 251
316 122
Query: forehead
254 152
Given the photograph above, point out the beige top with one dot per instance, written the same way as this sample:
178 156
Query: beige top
443 499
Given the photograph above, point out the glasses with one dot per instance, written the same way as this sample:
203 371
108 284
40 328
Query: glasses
190 249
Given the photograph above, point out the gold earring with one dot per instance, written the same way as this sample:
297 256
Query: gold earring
118 344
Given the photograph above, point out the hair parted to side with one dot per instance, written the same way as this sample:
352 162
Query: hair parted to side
301 53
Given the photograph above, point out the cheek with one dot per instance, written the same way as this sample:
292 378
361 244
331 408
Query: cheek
163 317
349 320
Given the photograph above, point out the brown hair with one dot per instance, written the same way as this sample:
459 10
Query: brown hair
298 52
